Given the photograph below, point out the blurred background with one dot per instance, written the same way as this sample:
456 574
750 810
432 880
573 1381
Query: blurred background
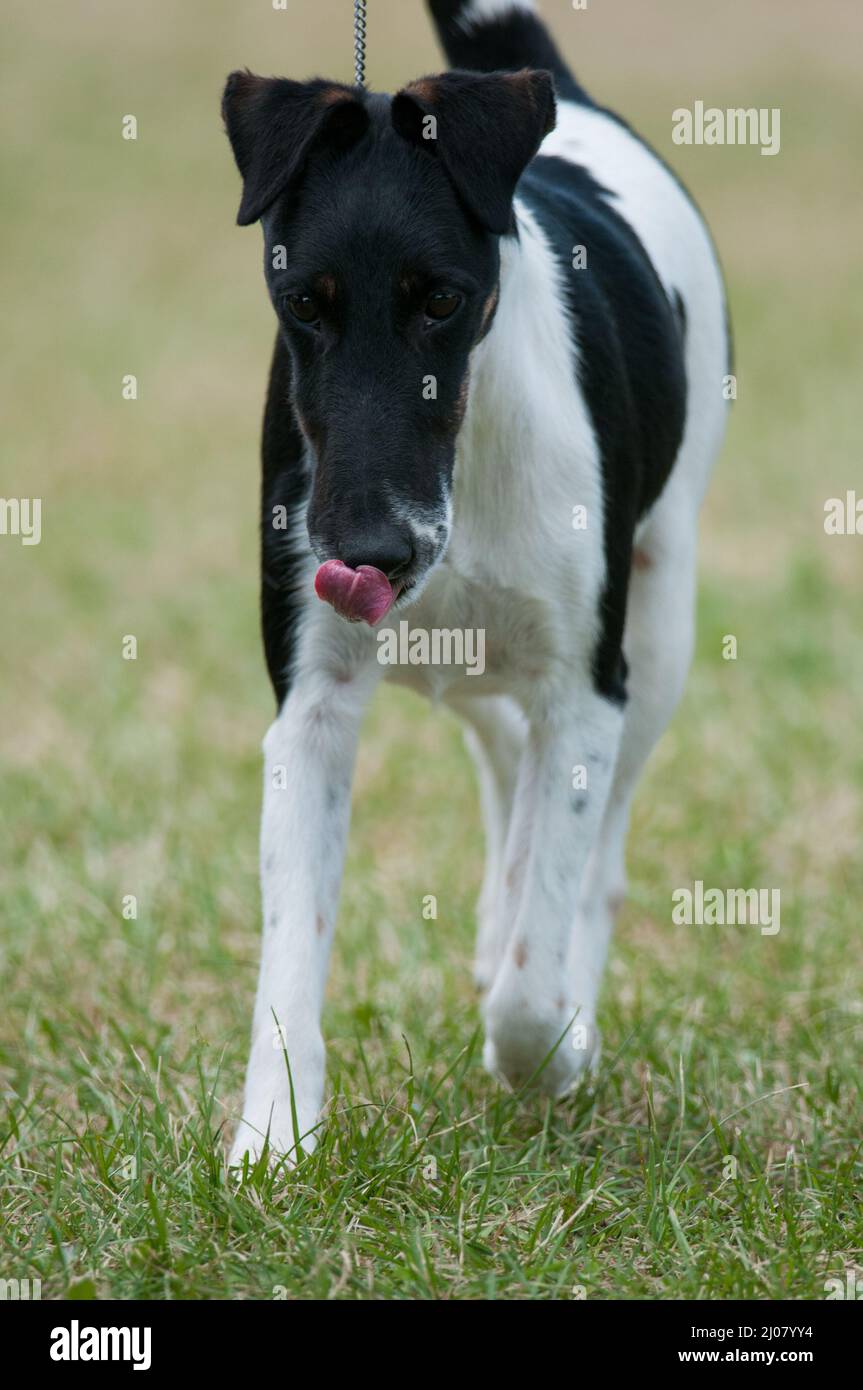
142 777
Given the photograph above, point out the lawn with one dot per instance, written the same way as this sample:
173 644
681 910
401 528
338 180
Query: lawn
717 1153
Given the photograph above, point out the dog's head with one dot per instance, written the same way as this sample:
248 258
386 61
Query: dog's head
381 218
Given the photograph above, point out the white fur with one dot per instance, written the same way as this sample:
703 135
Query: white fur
675 238
303 835
555 864
478 11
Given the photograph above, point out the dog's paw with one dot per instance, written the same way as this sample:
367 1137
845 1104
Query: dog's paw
280 1142
274 1116
548 1049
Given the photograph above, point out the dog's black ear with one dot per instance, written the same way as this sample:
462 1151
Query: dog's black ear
484 127
274 123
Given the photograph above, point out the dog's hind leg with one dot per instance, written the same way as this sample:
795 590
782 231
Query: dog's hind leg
547 981
566 853
658 646
495 737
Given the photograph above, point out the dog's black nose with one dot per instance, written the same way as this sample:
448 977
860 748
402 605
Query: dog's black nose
387 548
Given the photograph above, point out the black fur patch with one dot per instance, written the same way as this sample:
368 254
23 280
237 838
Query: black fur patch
487 130
632 369
274 124
285 486
514 39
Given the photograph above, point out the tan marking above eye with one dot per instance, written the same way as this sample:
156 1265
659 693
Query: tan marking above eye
326 286
488 309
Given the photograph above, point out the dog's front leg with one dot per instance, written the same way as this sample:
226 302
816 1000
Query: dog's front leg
309 755
549 976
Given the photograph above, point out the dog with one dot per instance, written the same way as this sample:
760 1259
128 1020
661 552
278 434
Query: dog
496 395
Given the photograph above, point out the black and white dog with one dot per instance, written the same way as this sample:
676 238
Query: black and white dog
496 396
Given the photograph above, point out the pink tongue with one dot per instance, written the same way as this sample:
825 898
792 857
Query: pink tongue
363 595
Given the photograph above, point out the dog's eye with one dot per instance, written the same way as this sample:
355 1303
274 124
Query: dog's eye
303 307
442 305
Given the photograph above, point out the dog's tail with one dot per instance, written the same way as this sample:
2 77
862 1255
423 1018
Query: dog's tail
501 36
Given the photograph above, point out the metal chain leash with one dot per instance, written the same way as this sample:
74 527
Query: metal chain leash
360 42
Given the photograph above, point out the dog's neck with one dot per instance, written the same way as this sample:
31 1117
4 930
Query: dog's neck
523 408
527 452
529 340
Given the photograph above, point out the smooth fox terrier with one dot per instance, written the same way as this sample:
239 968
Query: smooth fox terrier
496 396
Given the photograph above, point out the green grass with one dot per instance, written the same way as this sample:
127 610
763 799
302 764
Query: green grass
122 1042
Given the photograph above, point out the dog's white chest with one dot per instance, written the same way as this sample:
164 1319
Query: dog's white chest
468 636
